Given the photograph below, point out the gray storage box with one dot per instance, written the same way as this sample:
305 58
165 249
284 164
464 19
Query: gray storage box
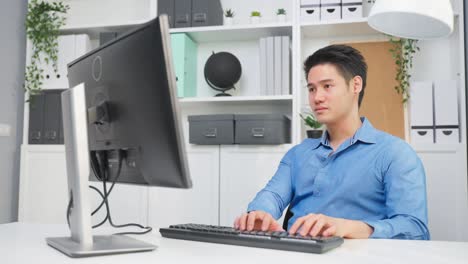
262 129
211 129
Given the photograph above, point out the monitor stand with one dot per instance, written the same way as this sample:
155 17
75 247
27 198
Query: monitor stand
82 243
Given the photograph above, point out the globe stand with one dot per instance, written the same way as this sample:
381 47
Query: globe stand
222 94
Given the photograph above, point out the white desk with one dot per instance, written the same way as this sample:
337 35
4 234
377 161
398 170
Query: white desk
25 243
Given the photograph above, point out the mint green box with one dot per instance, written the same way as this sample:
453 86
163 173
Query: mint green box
184 53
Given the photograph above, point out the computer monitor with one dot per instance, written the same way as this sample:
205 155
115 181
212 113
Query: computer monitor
123 99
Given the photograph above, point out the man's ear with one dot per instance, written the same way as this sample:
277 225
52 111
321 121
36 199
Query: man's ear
356 84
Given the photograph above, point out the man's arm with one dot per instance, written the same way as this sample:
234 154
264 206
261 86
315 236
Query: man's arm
322 225
276 195
405 190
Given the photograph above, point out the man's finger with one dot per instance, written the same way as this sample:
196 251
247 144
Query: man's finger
330 231
266 221
296 225
317 227
308 224
243 221
251 220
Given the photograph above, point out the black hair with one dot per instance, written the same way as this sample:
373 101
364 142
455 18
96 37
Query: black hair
348 61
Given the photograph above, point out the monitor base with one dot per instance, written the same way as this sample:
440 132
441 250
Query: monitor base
102 245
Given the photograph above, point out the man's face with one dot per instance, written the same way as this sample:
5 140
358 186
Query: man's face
331 98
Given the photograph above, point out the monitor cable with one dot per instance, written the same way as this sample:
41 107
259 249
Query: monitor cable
100 168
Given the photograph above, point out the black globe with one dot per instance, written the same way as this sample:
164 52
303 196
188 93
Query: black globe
222 71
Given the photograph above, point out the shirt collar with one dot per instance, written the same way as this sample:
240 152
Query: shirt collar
366 133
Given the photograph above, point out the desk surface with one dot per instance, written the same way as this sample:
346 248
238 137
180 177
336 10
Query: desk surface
25 243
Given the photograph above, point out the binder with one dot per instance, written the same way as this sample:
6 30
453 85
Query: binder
206 13
52 116
167 7
286 66
263 65
269 66
36 117
183 13
277 65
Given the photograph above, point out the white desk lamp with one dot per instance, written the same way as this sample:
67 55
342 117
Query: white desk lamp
413 19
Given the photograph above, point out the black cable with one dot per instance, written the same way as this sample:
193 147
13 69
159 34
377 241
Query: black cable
107 213
99 160
106 195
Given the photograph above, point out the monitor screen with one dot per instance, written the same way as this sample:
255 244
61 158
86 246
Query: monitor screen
131 101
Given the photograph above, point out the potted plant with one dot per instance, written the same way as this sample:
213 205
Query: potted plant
312 122
281 15
228 17
255 17
43 21
403 51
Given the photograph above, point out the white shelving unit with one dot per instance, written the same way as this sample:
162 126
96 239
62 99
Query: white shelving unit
217 168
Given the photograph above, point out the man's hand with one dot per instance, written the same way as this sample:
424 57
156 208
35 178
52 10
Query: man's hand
322 225
257 220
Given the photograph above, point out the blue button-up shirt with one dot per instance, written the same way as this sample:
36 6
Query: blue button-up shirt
372 177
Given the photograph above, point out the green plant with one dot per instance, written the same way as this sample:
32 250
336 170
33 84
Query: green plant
281 11
43 21
229 13
311 121
403 51
255 14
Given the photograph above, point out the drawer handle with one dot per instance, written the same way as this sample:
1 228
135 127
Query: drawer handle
258 132
211 132
447 132
422 133
36 135
310 11
331 10
352 9
51 134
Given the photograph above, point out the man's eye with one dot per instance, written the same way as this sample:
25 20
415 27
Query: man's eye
327 86
311 89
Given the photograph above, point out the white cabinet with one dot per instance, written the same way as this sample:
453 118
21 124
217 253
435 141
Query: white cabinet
196 205
446 192
245 170
43 190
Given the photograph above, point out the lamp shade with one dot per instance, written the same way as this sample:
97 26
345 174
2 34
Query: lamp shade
413 19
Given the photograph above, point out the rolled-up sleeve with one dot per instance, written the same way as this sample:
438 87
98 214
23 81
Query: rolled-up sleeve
406 202
276 195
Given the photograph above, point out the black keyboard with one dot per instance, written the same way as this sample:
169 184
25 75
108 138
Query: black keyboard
273 240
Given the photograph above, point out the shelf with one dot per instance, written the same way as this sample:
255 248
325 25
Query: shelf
235 32
439 148
93 30
266 98
338 28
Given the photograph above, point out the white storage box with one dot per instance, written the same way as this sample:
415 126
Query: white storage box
351 9
310 10
421 112
422 136
330 10
447 136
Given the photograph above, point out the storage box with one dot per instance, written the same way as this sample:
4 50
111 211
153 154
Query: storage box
330 10
367 6
262 129
447 135
184 54
310 10
211 129
310 14
422 136
351 9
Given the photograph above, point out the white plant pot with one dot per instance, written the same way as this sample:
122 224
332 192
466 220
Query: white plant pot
254 20
228 21
281 18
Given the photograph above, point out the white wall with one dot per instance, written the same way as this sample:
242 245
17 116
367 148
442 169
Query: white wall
12 63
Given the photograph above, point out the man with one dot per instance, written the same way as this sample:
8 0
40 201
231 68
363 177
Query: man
354 182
